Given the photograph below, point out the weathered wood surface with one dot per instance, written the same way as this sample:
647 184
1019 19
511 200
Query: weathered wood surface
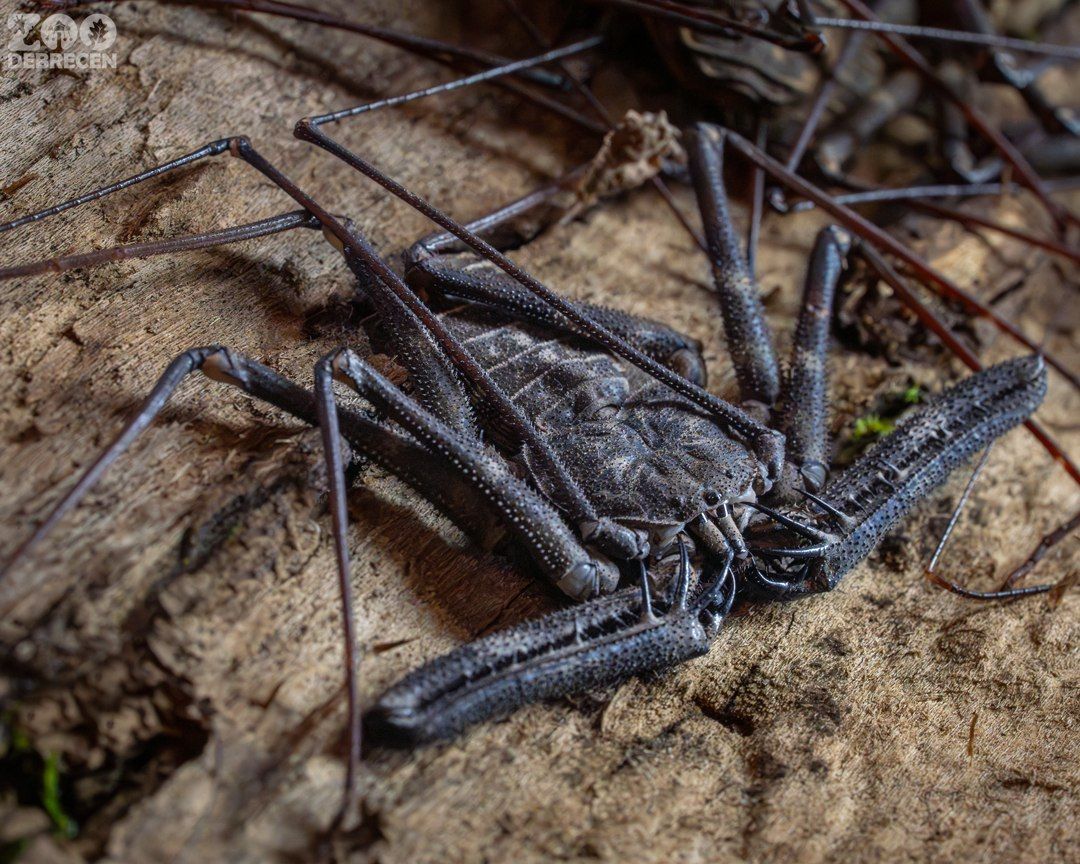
198 687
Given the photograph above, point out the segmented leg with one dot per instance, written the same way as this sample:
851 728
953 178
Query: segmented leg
535 524
748 337
868 498
443 280
507 227
802 411
455 56
216 362
582 648
232 234
1045 544
867 230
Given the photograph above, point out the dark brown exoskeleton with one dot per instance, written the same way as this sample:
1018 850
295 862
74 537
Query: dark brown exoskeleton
585 432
